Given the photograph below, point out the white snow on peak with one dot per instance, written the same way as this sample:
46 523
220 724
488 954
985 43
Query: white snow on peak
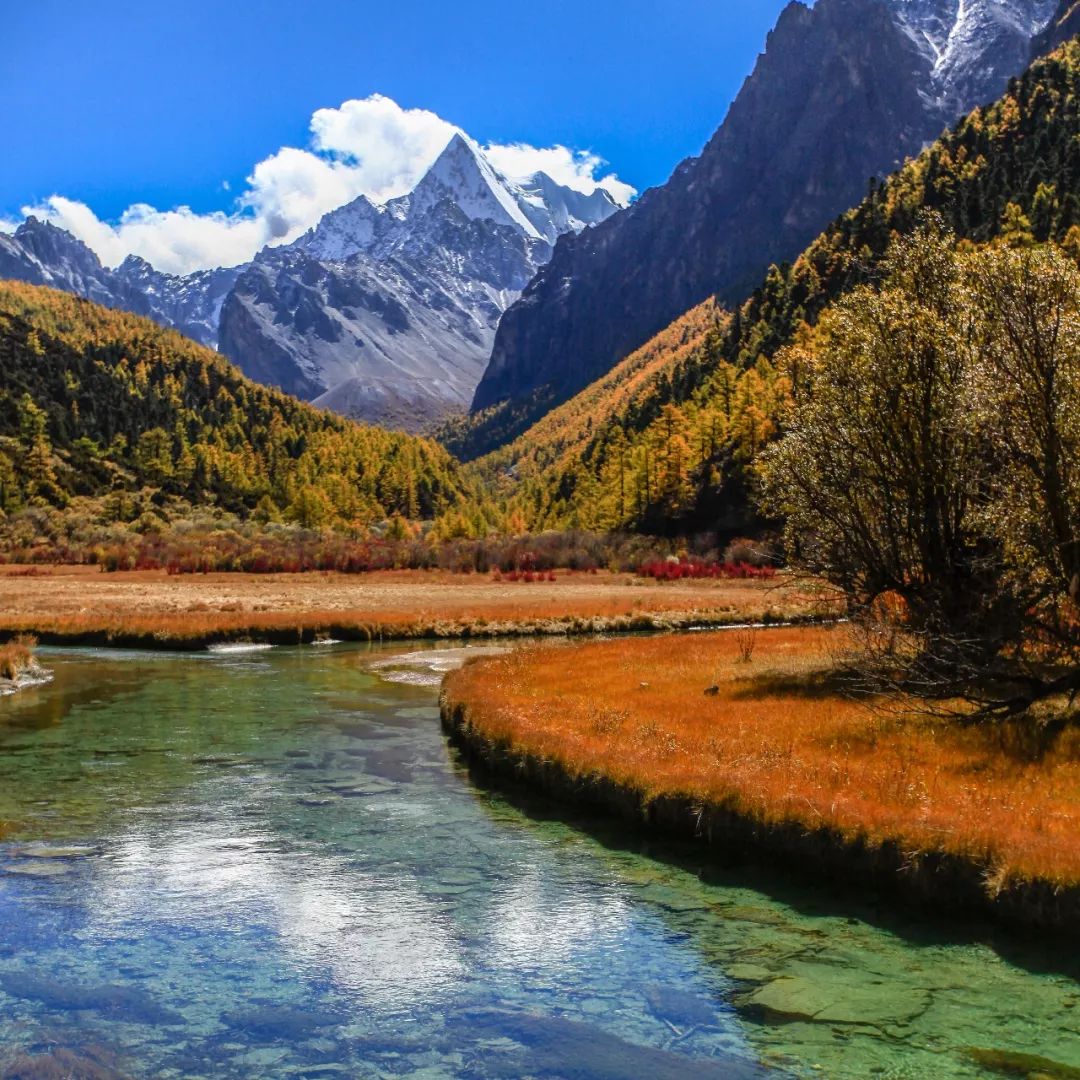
343 232
555 209
538 208
464 175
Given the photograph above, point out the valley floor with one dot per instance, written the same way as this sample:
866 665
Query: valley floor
82 605
745 742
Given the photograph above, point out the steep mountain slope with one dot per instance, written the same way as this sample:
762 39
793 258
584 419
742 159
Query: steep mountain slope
675 455
844 90
558 439
387 313
101 403
1064 25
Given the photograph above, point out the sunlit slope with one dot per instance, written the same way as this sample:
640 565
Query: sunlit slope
99 402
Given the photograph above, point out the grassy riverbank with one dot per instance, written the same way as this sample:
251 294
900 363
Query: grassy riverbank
80 605
746 743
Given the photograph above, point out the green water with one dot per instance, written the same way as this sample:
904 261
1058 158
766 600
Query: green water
269 864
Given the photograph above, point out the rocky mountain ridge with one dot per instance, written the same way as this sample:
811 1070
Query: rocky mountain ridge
388 313
845 90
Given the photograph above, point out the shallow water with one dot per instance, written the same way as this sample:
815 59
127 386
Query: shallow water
268 864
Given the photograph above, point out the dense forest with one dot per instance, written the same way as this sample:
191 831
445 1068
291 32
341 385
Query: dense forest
673 454
547 478
102 405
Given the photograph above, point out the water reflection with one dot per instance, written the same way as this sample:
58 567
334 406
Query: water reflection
536 924
374 934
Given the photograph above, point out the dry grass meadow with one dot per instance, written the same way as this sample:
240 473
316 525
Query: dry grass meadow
774 740
69 601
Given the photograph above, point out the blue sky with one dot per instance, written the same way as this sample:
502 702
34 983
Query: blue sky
116 103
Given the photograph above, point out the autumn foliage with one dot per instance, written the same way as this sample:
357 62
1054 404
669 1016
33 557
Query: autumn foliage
97 402
688 568
666 440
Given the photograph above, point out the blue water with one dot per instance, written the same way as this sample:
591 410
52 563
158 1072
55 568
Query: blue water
269 864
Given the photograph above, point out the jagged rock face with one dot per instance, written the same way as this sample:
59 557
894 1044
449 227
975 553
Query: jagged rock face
844 91
190 303
972 46
388 313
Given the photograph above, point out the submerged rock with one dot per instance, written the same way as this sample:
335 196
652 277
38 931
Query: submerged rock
1029 1066
281 1021
752 973
837 996
678 1007
38 868
48 851
570 1050
90 1063
124 1003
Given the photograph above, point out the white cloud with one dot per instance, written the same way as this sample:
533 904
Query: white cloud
176 241
572 168
8 226
369 146
387 147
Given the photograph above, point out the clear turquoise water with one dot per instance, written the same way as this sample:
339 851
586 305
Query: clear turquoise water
269 865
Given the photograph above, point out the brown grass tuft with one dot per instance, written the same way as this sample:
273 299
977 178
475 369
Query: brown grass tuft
16 656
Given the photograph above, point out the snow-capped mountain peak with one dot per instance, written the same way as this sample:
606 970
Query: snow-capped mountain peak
388 312
343 232
538 208
463 175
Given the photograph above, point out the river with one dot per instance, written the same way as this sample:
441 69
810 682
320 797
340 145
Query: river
269 864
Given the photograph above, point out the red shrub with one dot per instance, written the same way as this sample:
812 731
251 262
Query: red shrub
688 568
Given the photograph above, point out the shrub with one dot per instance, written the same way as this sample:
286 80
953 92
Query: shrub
692 568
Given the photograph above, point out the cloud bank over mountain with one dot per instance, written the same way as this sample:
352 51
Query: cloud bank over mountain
370 146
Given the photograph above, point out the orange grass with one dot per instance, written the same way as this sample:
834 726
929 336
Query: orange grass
152 604
775 743
16 656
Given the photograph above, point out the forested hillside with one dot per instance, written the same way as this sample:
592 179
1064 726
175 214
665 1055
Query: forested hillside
547 482
675 454
96 402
